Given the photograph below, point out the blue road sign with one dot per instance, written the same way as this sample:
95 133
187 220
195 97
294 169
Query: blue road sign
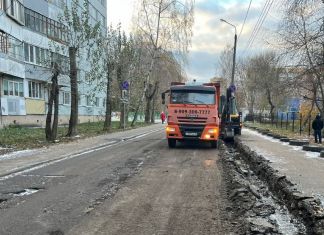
125 85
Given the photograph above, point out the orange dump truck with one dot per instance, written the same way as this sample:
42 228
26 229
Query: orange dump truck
193 113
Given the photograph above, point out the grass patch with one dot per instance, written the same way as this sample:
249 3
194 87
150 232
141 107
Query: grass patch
283 131
20 137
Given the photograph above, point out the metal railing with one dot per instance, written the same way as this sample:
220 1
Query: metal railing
293 121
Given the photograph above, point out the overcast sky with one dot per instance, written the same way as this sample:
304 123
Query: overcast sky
210 34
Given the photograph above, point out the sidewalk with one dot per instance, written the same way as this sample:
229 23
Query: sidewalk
20 160
305 169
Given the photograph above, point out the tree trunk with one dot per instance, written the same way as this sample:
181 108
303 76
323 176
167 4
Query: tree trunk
146 85
74 93
147 110
56 111
272 107
150 93
153 109
122 105
51 129
136 114
107 123
48 128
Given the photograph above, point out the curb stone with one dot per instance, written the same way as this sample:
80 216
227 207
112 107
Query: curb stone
322 154
298 142
285 139
313 148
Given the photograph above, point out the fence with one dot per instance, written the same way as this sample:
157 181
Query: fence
294 121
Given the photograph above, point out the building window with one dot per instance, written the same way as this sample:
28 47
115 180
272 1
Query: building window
58 3
104 102
35 89
31 54
45 25
26 50
1 5
15 48
13 88
61 60
3 42
11 46
15 10
79 99
88 100
43 56
35 55
66 98
97 102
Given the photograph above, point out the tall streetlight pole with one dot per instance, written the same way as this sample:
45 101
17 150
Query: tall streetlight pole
234 54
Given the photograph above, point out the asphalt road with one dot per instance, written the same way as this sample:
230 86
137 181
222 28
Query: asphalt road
138 186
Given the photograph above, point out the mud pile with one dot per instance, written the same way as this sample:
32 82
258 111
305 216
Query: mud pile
253 206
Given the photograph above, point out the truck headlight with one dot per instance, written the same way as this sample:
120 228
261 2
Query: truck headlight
213 131
170 129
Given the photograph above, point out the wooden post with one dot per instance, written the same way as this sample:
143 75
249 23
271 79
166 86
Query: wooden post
293 123
300 123
309 125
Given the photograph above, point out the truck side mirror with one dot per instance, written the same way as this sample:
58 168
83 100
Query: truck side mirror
163 98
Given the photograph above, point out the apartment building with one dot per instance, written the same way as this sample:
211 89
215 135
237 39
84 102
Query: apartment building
28 28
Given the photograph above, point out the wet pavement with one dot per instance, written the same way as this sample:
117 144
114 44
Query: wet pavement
124 183
132 183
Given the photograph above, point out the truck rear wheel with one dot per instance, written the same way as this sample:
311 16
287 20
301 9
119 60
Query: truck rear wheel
172 143
214 144
237 131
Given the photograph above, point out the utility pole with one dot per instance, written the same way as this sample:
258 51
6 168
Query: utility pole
234 57
234 53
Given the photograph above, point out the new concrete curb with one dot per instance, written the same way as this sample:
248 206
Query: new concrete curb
295 142
303 206
313 148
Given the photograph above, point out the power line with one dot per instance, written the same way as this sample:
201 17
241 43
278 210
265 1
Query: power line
259 23
245 18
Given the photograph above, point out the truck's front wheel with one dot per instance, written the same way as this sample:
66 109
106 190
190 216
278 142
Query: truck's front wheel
214 144
172 143
237 131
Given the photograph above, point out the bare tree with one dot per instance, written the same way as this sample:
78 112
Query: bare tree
165 26
302 38
104 60
51 127
225 62
80 34
267 71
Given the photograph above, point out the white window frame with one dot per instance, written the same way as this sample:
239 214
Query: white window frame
30 53
15 89
16 10
97 101
35 90
88 101
66 98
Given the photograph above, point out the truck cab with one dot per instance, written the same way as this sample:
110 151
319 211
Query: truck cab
193 113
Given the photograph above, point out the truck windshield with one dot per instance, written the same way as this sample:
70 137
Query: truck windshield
192 97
